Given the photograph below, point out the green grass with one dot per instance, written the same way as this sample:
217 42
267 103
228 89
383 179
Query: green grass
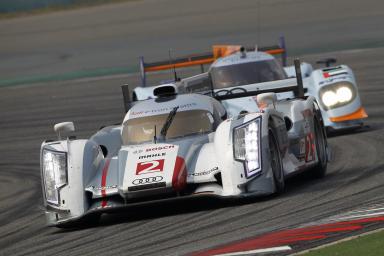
367 245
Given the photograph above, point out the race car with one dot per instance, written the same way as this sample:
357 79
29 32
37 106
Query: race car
334 87
183 145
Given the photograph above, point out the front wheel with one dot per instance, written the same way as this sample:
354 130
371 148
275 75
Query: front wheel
276 163
321 149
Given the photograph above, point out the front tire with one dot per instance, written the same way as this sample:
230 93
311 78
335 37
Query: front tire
321 150
276 163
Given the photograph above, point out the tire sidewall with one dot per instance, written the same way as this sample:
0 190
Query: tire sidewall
279 183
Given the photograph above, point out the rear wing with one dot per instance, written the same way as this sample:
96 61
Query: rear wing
202 59
298 90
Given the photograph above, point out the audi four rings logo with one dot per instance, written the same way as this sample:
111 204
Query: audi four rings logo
147 180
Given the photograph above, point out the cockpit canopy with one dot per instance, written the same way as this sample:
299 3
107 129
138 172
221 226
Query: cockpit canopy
185 123
250 70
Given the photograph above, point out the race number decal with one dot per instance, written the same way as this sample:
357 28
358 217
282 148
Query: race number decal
150 166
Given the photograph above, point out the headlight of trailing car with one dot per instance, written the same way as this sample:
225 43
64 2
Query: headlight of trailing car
54 173
337 95
246 143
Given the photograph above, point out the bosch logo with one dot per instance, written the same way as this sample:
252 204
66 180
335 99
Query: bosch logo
160 148
148 180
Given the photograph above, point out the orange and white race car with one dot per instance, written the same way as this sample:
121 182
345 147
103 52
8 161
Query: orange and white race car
233 66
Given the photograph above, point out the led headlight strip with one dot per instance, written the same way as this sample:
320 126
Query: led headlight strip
246 146
337 95
54 168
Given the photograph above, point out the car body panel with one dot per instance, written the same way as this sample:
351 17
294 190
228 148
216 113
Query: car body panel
109 171
345 116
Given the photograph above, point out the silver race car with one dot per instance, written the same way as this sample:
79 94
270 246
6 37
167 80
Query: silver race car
183 145
334 87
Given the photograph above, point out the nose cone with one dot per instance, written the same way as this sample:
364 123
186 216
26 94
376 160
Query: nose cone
150 169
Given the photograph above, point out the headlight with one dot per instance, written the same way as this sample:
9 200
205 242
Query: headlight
344 94
337 95
246 143
54 174
329 98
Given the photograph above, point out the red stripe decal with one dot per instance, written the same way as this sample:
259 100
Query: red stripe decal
104 182
179 178
309 147
312 140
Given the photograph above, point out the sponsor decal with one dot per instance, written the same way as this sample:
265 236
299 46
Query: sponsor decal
162 110
328 74
147 180
150 166
302 146
152 155
309 138
159 148
196 174
331 80
310 147
137 151
104 188
307 114
154 160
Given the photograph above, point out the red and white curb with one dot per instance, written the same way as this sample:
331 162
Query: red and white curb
280 241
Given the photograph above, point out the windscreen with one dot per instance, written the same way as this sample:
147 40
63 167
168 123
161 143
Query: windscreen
247 73
185 123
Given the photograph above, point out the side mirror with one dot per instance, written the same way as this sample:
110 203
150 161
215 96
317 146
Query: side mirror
266 99
63 127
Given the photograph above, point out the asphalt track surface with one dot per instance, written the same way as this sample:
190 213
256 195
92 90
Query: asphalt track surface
114 36
27 113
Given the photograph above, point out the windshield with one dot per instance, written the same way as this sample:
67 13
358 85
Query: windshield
247 73
184 123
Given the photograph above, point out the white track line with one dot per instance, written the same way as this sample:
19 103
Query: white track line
368 210
359 216
266 250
